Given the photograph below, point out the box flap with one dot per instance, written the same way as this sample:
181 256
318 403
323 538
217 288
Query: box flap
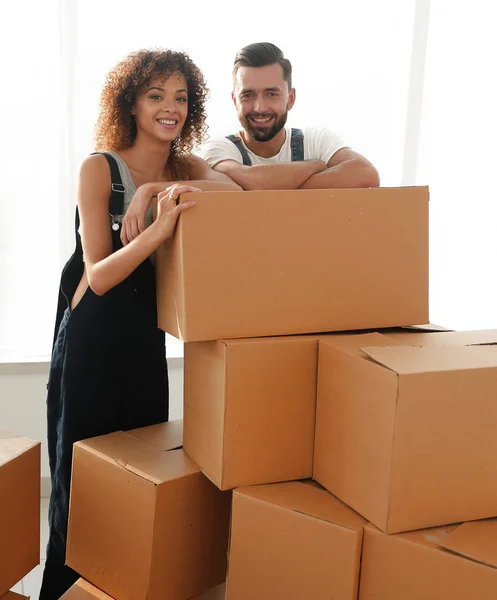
446 338
476 540
82 590
217 593
14 596
163 436
426 328
139 458
353 343
308 500
13 445
423 359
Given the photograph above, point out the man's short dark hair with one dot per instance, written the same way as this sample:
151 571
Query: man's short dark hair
263 54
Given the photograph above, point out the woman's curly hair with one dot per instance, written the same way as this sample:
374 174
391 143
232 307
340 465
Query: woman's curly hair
116 126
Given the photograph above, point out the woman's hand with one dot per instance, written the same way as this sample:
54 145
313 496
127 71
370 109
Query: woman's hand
168 209
134 220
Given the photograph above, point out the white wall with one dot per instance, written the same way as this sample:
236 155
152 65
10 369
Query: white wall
23 402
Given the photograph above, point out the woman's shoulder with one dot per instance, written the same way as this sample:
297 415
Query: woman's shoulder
94 172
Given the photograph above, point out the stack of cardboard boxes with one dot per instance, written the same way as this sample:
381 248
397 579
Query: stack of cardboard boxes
19 510
335 444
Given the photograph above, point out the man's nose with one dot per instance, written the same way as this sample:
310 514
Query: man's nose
260 104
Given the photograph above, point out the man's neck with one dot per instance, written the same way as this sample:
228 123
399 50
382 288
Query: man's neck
265 149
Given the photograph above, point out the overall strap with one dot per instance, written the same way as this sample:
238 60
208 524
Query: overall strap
238 143
297 145
116 199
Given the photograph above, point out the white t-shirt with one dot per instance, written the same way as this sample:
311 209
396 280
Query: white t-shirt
319 144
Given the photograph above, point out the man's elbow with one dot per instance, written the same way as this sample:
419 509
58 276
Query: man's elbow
371 177
366 176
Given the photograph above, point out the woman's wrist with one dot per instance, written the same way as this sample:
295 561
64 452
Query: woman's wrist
156 233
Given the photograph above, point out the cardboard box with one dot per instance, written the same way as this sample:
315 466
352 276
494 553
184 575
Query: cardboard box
144 522
249 407
405 435
82 590
14 596
293 541
265 263
455 562
20 473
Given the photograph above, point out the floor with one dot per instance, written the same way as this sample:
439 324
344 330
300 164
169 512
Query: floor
30 585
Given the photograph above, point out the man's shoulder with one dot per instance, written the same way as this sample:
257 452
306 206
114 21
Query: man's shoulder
217 149
219 141
317 132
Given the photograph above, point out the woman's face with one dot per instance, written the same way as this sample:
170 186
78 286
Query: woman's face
161 108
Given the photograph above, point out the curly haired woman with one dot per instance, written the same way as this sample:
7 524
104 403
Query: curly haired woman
108 370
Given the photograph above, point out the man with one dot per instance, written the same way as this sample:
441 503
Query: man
268 155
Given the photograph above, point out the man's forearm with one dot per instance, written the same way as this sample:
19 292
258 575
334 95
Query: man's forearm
349 174
287 176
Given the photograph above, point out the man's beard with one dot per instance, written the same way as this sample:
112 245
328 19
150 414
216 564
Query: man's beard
264 134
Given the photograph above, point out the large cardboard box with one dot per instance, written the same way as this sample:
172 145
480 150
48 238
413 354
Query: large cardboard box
19 508
82 590
405 435
144 522
293 541
14 596
450 563
249 407
262 263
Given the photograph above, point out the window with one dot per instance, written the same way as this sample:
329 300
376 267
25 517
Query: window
351 71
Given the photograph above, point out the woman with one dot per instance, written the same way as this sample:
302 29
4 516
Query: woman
108 370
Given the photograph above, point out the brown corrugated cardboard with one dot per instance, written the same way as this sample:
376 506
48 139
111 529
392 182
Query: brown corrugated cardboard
217 593
19 508
163 436
249 407
247 264
82 590
455 562
144 522
14 596
293 541
405 434
415 337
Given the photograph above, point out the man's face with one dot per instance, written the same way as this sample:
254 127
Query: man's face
262 100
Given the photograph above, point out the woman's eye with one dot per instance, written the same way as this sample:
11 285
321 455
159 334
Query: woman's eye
155 97
181 99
